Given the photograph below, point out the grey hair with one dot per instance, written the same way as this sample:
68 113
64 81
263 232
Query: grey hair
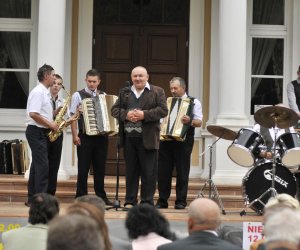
180 80
283 226
283 199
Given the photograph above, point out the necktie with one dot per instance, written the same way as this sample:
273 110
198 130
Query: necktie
54 107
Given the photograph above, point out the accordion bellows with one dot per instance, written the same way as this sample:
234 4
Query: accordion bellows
97 117
172 128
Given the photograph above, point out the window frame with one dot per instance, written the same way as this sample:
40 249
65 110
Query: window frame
15 117
268 31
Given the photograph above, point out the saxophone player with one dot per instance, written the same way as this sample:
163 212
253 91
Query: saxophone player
55 147
39 114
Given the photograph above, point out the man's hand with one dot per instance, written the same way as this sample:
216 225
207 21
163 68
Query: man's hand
185 119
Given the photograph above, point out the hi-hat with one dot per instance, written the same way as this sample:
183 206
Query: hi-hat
279 116
222 132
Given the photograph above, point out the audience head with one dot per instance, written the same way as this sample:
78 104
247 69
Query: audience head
283 226
204 214
283 199
44 207
144 219
74 231
93 212
94 200
278 203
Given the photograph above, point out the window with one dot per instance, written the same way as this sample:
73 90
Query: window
15 40
268 37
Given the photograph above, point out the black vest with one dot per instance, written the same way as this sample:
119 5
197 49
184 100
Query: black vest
191 130
297 92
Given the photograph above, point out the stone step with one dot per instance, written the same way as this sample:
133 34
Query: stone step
13 188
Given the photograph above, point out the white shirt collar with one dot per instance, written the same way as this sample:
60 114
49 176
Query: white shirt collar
93 93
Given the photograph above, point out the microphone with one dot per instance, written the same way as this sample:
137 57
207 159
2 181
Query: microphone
127 87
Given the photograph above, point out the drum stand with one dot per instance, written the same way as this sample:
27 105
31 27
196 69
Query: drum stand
212 189
272 189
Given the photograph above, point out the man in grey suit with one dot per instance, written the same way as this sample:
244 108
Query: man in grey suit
44 207
203 220
139 110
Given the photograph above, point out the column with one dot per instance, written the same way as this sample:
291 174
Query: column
51 46
51 34
232 80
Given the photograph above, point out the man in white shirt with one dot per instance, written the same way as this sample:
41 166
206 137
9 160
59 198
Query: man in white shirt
39 123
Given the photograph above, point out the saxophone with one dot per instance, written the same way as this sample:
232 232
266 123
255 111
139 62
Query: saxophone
60 121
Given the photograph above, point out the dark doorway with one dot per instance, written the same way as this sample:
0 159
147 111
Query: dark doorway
150 33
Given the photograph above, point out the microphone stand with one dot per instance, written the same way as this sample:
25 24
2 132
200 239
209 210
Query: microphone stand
117 203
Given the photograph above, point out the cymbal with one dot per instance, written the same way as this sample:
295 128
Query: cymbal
280 116
222 132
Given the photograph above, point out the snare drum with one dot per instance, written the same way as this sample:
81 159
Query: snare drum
259 179
289 149
245 148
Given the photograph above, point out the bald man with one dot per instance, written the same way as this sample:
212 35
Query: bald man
203 220
142 107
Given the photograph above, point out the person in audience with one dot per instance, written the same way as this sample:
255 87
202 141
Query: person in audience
282 230
94 200
203 220
93 212
275 205
283 199
74 231
147 227
116 242
33 236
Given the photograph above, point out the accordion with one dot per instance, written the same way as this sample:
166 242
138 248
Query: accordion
14 157
97 117
172 128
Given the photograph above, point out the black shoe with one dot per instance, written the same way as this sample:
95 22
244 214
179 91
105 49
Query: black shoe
161 204
127 206
27 204
179 206
107 201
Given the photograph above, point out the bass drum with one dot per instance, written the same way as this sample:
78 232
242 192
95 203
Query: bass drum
259 179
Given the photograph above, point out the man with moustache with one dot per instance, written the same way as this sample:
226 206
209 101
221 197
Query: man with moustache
39 123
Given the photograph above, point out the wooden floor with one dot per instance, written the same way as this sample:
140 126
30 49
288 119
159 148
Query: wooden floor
18 209
13 193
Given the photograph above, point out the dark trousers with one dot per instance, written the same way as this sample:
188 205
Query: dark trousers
140 162
93 150
54 157
39 170
174 154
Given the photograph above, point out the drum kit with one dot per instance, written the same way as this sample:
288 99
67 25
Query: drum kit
266 177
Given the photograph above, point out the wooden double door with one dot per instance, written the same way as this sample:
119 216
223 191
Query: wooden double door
162 50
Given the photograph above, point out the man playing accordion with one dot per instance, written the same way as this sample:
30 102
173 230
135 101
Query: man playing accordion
178 152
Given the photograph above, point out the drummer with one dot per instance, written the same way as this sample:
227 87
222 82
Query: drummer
268 135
